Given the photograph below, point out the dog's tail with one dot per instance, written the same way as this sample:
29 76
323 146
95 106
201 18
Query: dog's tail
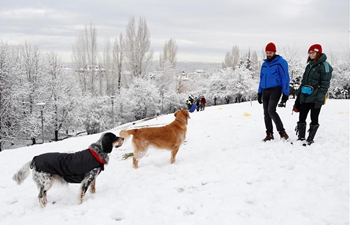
126 133
22 174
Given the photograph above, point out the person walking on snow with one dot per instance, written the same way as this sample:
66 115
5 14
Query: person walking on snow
274 80
198 103
312 92
203 102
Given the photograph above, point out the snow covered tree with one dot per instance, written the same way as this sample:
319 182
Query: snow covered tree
96 114
166 77
64 92
7 122
340 82
32 88
242 85
139 101
295 67
218 86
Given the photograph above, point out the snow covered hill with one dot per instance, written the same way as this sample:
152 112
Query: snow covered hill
224 174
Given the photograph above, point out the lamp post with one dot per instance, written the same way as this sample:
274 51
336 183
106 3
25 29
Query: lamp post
42 104
112 98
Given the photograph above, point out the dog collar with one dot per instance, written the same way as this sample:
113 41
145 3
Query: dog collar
97 157
181 121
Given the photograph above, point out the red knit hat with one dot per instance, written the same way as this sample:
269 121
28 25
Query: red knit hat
316 48
270 47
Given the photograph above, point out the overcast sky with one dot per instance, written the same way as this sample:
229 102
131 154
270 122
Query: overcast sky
204 30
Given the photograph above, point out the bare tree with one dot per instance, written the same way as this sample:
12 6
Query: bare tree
118 58
255 64
231 58
85 57
137 48
169 54
108 66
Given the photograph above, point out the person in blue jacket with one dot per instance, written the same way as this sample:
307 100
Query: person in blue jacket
274 80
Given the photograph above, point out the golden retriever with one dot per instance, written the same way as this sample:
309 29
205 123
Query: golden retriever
168 137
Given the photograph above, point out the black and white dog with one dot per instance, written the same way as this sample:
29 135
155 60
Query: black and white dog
80 167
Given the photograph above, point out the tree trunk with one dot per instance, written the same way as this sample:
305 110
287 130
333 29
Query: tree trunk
33 141
56 135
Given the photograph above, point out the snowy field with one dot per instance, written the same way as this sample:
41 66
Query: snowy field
224 174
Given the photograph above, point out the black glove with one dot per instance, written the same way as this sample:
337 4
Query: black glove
259 98
318 104
283 101
284 98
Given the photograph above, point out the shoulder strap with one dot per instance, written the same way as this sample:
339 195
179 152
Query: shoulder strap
326 66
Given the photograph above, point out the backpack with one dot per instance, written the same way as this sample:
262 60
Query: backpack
326 66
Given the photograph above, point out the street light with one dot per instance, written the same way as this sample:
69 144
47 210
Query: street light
112 98
42 104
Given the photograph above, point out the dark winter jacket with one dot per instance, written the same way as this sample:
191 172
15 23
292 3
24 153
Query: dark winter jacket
316 76
72 167
274 74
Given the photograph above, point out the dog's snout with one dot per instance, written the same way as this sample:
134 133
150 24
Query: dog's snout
119 142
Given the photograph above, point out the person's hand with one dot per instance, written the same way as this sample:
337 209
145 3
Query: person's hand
296 105
284 98
259 98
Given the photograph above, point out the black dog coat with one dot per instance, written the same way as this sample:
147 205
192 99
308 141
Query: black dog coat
71 166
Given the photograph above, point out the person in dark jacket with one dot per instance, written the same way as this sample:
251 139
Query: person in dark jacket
312 92
203 102
198 103
274 80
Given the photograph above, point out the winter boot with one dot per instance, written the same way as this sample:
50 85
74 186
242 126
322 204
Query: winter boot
300 131
269 136
312 133
283 135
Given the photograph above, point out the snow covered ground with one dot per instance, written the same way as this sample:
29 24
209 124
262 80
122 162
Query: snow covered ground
224 174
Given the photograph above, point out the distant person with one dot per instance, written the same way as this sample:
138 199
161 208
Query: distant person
198 101
192 108
312 92
203 102
274 80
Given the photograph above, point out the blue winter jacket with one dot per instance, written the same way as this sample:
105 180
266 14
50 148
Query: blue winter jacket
274 74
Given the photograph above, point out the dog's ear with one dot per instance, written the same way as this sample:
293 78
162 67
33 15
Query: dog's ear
107 142
185 112
176 112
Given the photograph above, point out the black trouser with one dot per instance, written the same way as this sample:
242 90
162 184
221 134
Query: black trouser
270 99
304 110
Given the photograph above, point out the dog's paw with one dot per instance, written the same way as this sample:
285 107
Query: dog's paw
127 155
43 202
